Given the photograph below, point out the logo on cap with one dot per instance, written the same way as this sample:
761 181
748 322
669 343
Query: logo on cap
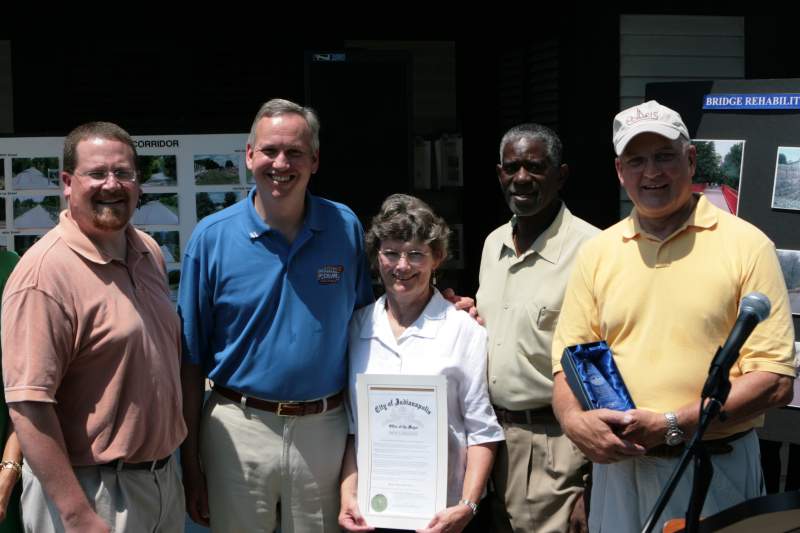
650 115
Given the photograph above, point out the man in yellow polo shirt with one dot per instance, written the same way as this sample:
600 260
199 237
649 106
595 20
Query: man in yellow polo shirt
525 266
663 287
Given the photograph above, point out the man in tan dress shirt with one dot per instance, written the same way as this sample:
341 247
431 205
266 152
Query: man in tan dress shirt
525 267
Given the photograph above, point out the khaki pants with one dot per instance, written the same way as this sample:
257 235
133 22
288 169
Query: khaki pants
624 493
129 500
538 474
257 462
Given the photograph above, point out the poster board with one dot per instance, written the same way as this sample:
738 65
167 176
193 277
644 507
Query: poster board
768 131
183 178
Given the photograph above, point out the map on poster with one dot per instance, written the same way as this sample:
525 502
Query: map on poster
183 178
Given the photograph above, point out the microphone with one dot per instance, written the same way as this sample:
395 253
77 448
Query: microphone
754 308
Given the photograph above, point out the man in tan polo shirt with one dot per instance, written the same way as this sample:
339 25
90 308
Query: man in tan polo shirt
524 271
91 351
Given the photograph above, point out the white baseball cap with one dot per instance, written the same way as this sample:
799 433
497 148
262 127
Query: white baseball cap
647 117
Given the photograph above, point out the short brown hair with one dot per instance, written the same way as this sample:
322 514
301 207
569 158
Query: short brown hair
407 218
103 130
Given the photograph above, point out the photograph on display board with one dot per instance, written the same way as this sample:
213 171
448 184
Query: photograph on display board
23 242
216 169
2 212
790 265
157 210
31 211
719 169
2 173
211 202
786 191
169 241
34 172
158 170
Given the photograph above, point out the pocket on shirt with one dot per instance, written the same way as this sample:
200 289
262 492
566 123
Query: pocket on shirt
544 318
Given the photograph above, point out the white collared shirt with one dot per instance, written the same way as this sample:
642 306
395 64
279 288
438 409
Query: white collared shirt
442 341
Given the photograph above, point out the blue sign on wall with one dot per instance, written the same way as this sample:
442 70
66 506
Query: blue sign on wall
769 101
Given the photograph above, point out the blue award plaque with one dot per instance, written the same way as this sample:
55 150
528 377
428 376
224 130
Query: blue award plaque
593 377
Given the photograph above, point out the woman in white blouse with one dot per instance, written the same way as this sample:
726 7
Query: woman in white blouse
412 329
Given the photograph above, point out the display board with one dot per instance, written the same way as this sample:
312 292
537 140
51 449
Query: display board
760 180
183 179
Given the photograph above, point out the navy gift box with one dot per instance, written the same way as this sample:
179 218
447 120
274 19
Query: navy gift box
593 377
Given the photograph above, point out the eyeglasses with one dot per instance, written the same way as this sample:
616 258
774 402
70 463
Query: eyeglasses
413 257
531 167
122 175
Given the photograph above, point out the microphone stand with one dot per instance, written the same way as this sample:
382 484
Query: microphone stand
715 390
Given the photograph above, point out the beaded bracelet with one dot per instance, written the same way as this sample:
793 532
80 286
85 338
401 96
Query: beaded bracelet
12 465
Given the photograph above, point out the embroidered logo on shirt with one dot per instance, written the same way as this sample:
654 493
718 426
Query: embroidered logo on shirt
330 274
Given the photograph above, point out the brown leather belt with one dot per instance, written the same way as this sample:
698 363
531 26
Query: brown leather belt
543 415
714 447
282 408
119 464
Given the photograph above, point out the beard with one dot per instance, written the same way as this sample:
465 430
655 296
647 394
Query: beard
112 217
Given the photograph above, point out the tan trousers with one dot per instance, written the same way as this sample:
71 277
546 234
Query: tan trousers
539 474
129 500
257 462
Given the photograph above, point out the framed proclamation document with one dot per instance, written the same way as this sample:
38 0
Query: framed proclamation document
402 449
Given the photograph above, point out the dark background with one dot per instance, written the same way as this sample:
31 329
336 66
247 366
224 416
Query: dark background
565 75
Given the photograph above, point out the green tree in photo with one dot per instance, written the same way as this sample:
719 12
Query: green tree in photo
204 206
207 163
169 163
230 199
22 205
171 201
154 164
731 166
52 204
708 164
42 164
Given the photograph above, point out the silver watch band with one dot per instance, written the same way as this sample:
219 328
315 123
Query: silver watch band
472 505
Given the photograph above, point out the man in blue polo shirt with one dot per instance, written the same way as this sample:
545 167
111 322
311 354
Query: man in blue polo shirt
267 290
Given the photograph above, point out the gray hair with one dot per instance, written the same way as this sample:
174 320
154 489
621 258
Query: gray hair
532 132
407 218
277 107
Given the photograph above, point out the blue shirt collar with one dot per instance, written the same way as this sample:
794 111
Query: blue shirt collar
256 227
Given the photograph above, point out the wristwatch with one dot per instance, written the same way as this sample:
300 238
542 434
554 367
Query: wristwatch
674 434
472 506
